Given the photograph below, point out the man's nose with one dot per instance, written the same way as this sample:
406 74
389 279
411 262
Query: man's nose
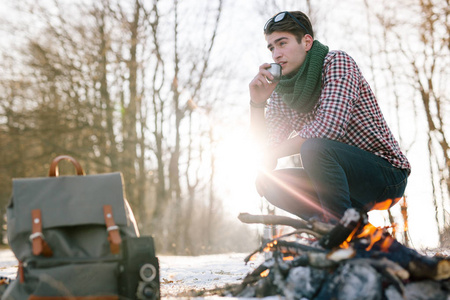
276 54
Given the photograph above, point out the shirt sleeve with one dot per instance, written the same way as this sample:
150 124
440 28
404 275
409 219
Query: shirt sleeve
278 124
340 91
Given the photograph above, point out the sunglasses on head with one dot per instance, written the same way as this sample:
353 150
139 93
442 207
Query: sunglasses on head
280 17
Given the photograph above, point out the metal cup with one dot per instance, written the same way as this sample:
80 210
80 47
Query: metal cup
275 70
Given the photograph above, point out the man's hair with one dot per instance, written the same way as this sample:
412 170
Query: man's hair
289 25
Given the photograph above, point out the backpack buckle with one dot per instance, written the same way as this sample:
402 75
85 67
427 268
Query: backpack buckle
39 245
113 230
36 235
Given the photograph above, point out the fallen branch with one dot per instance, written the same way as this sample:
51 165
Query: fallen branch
285 247
418 266
392 271
316 226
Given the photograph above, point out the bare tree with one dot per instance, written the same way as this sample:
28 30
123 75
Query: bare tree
418 61
114 92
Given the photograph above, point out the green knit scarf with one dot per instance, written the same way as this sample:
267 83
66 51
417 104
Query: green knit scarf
302 90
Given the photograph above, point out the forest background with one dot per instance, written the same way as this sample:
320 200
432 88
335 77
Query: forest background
158 90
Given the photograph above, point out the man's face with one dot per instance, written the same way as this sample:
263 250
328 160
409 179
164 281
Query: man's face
287 51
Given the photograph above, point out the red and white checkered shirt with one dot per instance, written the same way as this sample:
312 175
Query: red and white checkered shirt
347 111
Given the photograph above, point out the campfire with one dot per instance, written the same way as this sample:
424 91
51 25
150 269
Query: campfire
350 260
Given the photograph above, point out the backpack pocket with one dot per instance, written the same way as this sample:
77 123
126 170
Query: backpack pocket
60 280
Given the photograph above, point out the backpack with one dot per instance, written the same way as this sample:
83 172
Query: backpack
75 237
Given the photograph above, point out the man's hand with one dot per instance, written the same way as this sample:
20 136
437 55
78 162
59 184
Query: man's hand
260 88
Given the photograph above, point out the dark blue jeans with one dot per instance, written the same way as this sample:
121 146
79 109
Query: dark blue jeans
335 176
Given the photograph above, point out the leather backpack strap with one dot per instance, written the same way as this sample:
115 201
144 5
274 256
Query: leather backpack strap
113 230
20 272
39 245
54 171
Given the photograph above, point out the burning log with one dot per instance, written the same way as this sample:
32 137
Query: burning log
352 282
314 225
285 246
352 260
376 243
390 270
349 223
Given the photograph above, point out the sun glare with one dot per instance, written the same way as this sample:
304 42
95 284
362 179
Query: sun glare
236 164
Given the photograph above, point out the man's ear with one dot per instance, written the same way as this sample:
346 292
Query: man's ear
308 41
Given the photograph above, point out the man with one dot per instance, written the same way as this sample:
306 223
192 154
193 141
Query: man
324 110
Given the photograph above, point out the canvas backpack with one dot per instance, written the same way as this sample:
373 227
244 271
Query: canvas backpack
75 237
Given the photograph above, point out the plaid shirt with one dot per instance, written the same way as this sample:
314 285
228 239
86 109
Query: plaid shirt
347 111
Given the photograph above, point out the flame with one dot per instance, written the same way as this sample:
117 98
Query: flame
344 245
269 246
350 237
382 205
265 273
375 237
387 243
278 233
375 234
253 257
287 258
368 230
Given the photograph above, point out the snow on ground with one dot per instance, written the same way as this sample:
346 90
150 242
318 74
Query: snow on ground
181 274
8 264
178 274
